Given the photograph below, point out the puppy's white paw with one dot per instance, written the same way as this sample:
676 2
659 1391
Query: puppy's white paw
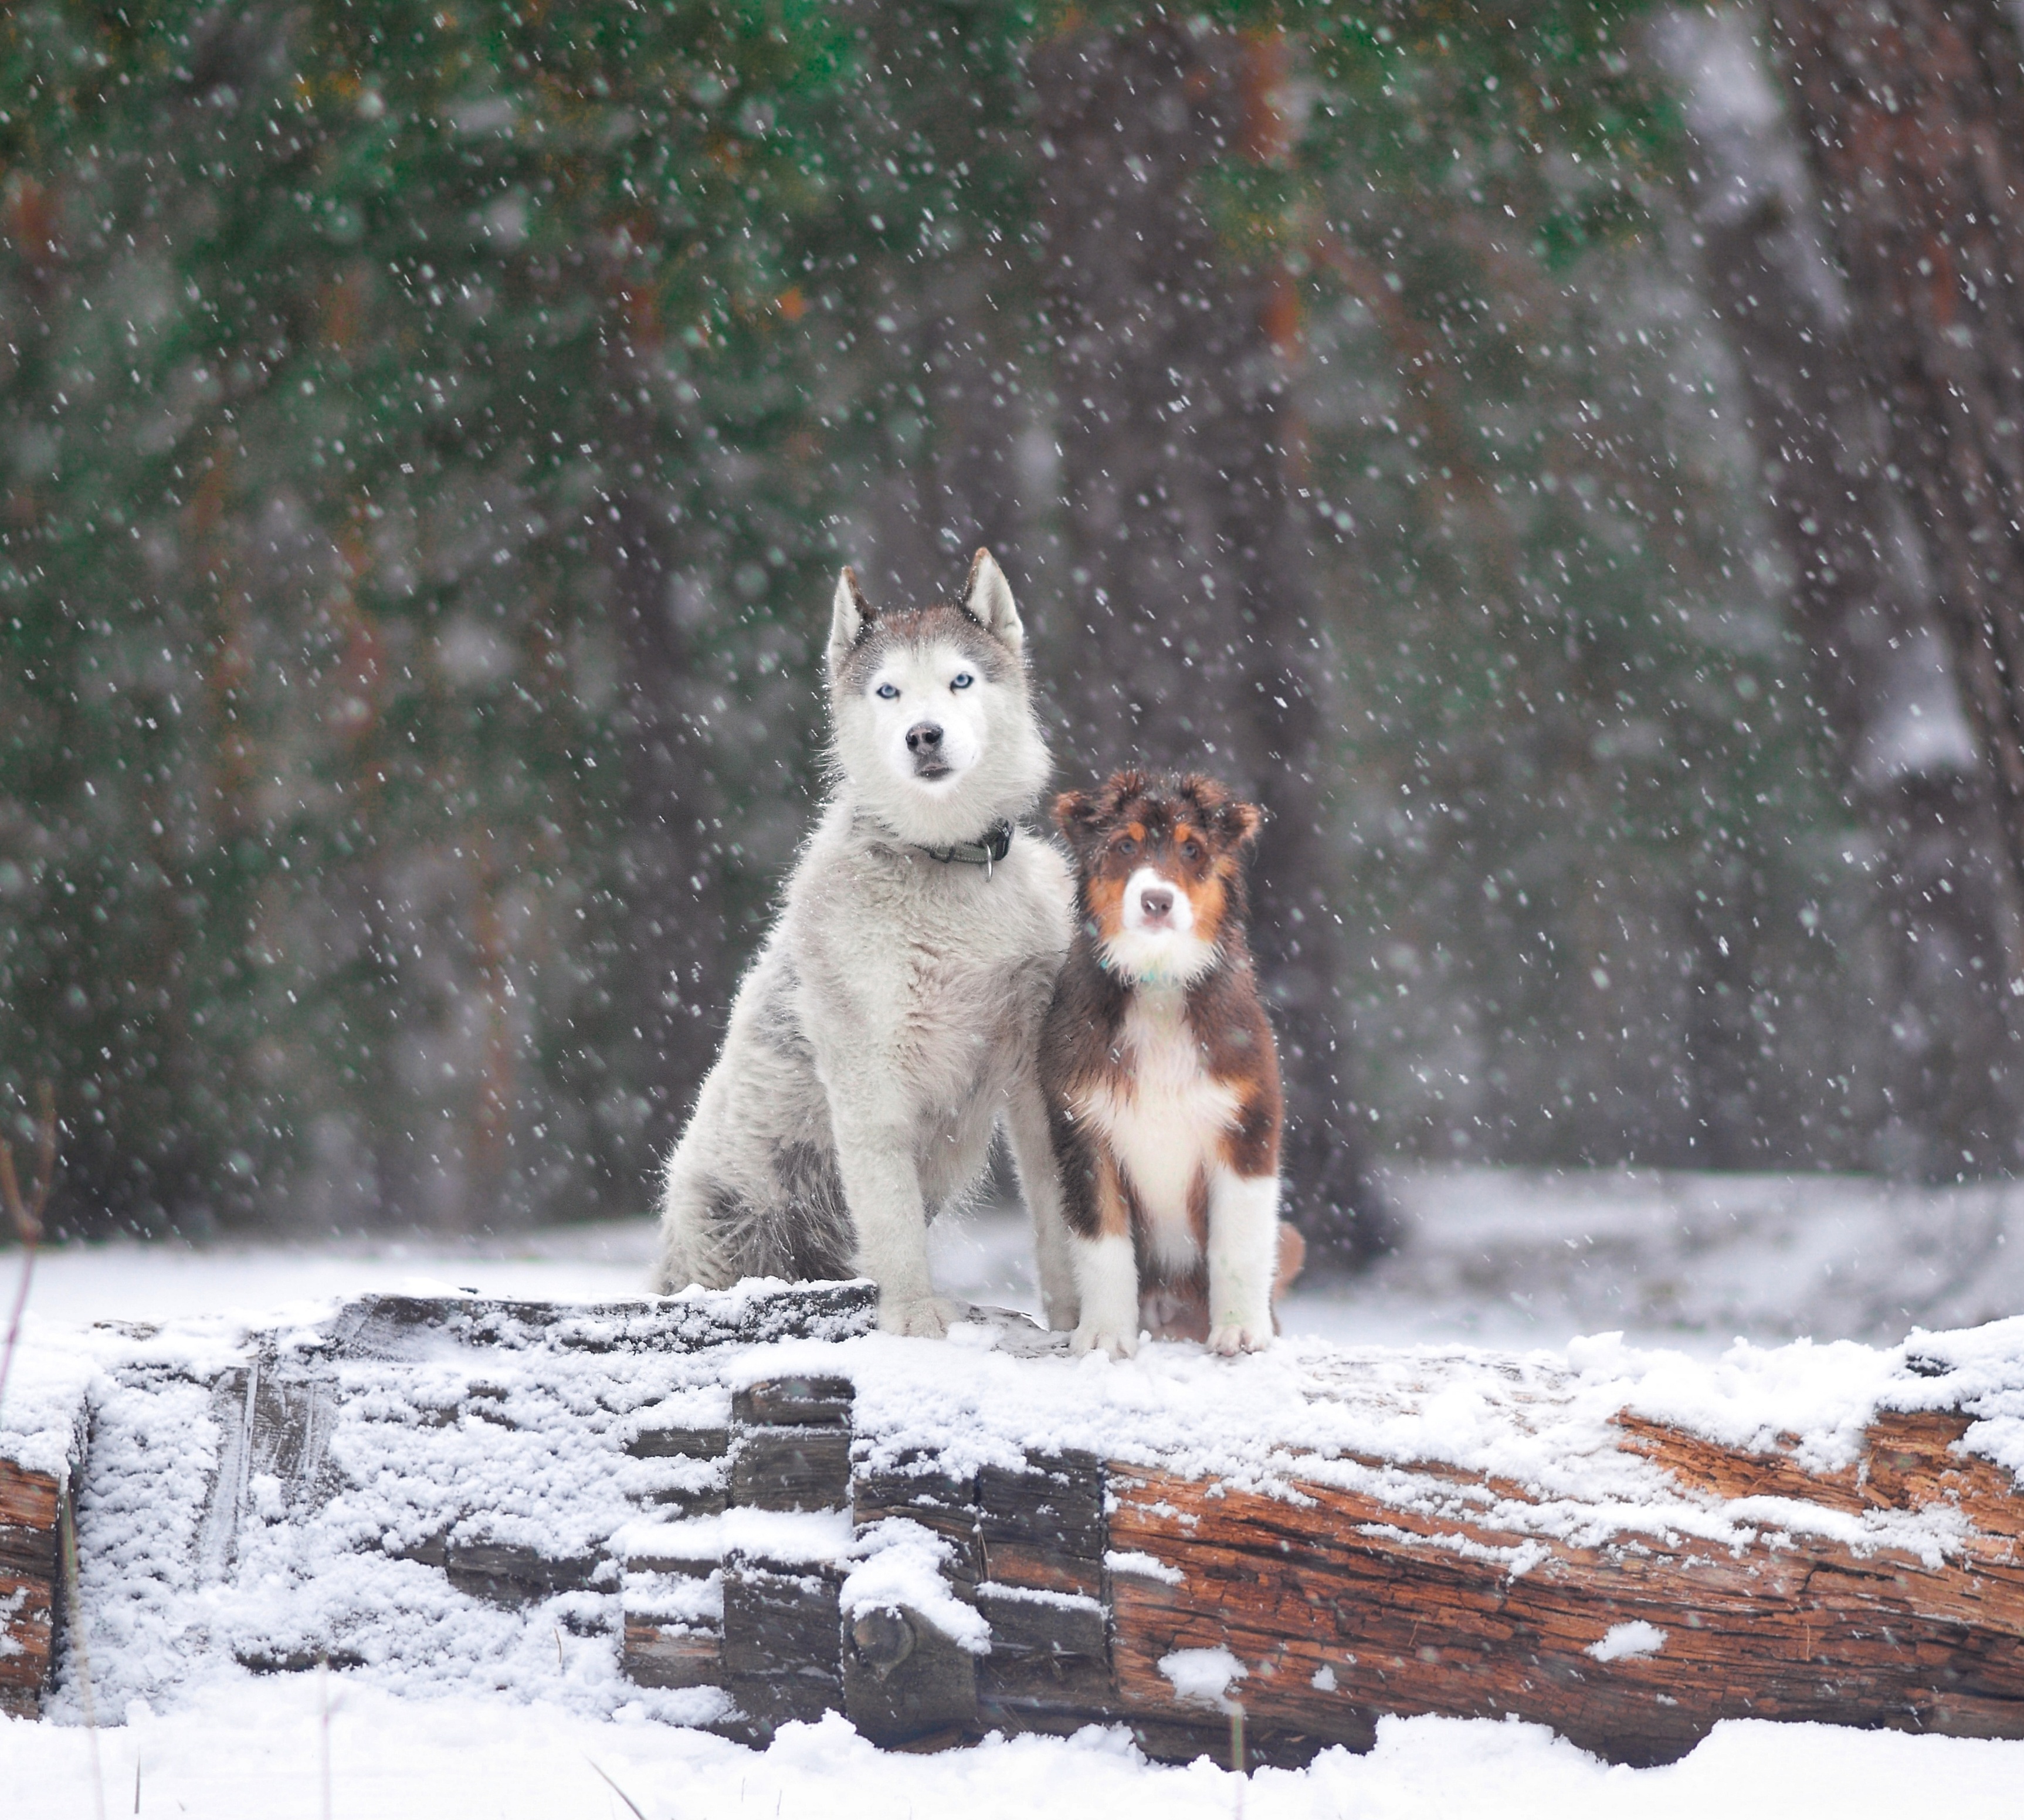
1233 1337
926 1317
1118 1341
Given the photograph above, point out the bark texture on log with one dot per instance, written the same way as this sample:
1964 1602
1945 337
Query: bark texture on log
1343 1606
33 1589
1431 1589
29 1574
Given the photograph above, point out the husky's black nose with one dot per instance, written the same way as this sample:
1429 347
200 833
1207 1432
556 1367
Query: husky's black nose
926 738
1157 902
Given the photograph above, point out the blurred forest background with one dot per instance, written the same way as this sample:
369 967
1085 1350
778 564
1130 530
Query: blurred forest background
1566 457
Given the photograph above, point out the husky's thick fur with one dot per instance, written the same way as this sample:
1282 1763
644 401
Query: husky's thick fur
1161 1075
894 1017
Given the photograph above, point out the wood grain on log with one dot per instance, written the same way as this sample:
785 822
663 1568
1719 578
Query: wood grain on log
794 1402
783 1645
27 1500
31 1586
671 1655
682 1443
903 1679
1042 1529
791 1468
1341 1605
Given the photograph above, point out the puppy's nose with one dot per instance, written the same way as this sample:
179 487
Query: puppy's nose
1157 902
927 737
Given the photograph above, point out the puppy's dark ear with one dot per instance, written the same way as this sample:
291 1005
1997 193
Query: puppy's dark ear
1075 815
1238 822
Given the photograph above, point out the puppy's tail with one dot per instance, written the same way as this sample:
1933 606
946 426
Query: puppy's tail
1292 1259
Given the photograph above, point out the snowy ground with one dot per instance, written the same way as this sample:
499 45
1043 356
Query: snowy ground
261 1756
1497 1259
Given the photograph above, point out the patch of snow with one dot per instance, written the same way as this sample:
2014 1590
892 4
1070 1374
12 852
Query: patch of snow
686 1600
785 1536
1033 1595
899 1562
1322 1679
1686 1260
42 1418
10 1606
1621 1642
1142 1566
1203 1677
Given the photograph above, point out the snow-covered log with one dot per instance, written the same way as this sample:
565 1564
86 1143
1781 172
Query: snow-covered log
1432 1595
745 1509
43 1428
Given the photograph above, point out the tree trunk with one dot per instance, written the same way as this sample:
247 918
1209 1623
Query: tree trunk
927 516
1913 116
1863 601
676 960
1188 634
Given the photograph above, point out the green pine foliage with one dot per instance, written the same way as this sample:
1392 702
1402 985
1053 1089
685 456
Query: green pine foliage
356 356
334 333
1592 808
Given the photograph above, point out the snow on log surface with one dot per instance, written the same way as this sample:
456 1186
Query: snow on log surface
744 1508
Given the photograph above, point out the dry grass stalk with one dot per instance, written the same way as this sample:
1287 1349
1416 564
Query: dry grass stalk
614 1788
26 1214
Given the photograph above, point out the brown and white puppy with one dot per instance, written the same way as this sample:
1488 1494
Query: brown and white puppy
1161 1077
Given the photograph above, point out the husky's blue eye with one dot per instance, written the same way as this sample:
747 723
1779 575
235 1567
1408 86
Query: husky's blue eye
963 679
888 693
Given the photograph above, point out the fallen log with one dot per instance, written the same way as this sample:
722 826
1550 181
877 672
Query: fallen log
1338 1606
757 1511
42 1430
1694 1581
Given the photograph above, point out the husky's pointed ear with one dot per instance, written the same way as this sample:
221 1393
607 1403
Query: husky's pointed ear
987 598
851 617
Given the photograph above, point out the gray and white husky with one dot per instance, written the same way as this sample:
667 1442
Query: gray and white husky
893 1018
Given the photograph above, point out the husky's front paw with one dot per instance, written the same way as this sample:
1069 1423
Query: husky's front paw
926 1317
1230 1337
1119 1339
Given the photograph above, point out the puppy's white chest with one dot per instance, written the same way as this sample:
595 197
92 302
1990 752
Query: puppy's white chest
1162 1113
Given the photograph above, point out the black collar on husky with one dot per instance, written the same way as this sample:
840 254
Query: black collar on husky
997 843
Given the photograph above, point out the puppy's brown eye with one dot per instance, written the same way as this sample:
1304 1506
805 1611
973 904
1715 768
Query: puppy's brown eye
1127 846
1191 850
